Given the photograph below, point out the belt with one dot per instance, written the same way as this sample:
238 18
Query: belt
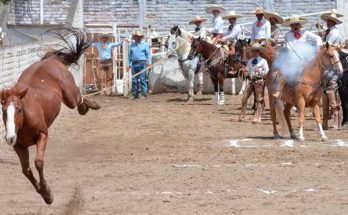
138 61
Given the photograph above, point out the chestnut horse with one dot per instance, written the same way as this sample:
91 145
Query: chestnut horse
215 63
31 106
308 89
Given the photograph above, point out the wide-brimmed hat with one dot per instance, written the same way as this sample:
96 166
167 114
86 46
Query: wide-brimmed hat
108 36
279 19
333 17
335 12
197 19
293 20
256 47
258 10
232 14
214 7
138 33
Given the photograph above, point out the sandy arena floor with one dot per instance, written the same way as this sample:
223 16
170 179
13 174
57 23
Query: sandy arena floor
164 156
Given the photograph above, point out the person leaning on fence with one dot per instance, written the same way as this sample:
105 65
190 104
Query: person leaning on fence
256 70
218 23
104 47
331 99
260 29
139 58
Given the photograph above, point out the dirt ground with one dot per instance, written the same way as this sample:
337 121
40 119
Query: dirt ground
164 156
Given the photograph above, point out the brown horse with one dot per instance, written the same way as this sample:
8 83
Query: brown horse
215 63
31 106
308 89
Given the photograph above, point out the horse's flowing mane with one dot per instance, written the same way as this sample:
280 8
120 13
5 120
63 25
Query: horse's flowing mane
74 44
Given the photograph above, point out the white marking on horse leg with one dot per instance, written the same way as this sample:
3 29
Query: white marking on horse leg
222 98
233 86
322 134
300 134
11 136
217 98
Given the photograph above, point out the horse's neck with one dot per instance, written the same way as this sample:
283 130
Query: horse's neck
186 35
313 72
269 54
182 48
209 50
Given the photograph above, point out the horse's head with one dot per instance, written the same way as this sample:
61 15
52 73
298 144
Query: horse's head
196 48
12 112
175 30
240 55
329 58
171 44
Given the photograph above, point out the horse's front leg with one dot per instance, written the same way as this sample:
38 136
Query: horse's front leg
233 80
301 114
221 89
190 84
216 90
23 155
318 120
44 190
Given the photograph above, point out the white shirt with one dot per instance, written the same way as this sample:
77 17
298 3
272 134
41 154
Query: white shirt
218 25
333 38
258 70
201 33
233 34
263 32
306 37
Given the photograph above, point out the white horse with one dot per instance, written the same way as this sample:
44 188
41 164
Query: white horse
180 43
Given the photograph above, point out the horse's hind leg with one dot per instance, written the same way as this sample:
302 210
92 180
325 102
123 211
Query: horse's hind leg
44 189
287 114
23 155
221 89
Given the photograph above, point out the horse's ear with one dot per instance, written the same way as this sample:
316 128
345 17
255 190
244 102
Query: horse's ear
22 93
327 45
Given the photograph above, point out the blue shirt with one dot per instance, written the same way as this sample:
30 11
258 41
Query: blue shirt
139 51
104 49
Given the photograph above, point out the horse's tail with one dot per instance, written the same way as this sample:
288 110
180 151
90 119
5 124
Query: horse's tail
279 109
74 43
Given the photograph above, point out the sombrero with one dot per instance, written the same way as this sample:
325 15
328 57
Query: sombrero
197 19
332 17
137 33
214 7
232 14
279 19
293 20
258 10
335 12
256 47
101 36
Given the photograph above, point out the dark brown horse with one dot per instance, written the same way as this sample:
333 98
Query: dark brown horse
215 63
31 106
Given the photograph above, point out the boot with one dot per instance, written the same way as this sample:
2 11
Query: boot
200 89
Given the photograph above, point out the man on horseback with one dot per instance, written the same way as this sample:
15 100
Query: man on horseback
274 19
218 23
256 70
200 31
234 33
297 36
261 29
331 99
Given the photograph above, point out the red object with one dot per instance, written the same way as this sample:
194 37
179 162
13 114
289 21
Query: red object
297 35
258 24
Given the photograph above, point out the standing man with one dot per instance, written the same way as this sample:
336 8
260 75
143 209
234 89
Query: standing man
256 70
200 31
261 29
331 99
139 59
218 23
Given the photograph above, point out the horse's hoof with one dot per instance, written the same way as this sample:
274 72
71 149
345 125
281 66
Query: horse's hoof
189 100
276 136
46 194
292 136
302 139
324 139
